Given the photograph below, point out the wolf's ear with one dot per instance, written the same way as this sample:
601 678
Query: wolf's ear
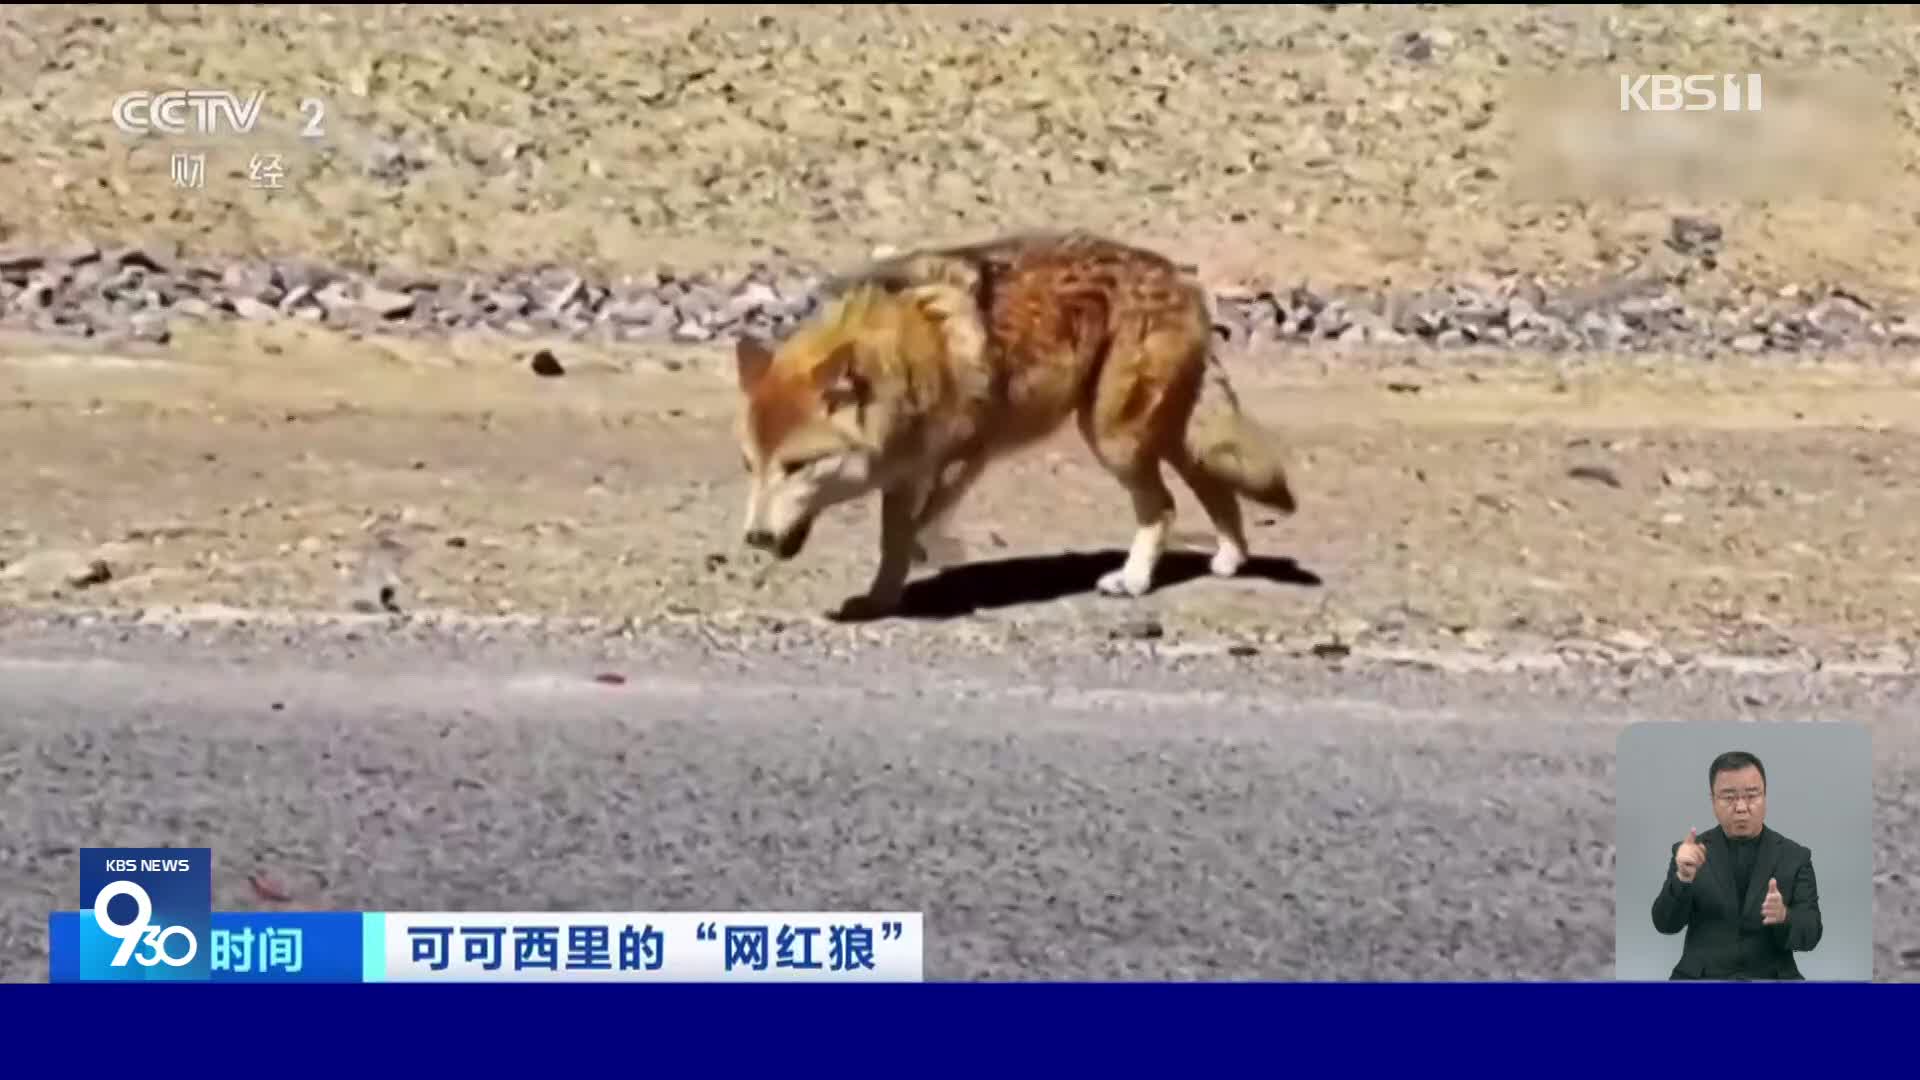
753 357
839 384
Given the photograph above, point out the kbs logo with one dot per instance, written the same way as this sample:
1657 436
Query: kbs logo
1690 93
146 914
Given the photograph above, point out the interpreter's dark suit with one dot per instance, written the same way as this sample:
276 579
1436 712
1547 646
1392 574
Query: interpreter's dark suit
1725 939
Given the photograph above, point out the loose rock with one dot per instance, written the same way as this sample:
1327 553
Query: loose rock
84 296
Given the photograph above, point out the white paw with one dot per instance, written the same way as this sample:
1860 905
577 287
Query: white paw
1227 561
1122 583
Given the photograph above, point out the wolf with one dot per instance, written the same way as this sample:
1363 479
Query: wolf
919 371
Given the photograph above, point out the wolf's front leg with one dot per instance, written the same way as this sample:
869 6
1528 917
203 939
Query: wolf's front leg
897 526
947 489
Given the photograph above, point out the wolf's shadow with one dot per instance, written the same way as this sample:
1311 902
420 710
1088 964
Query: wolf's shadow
1034 579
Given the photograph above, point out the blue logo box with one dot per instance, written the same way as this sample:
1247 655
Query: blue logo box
260 947
146 914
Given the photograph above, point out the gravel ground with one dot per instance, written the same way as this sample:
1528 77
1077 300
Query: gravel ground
1054 817
1352 144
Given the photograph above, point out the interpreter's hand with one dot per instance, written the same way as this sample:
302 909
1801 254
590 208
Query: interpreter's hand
1773 910
1689 858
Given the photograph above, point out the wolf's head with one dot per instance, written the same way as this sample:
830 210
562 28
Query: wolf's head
801 436
824 407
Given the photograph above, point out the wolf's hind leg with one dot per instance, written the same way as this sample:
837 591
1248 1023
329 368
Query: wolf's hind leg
1153 519
1134 421
1222 506
1134 462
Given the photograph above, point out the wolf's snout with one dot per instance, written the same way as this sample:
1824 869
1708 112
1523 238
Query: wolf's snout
795 538
783 545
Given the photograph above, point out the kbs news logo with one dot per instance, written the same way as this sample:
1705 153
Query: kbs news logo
1690 93
146 914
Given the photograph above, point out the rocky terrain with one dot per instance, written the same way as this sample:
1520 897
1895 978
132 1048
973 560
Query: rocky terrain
134 294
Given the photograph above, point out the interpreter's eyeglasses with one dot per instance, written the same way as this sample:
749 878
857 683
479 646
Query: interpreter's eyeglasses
1734 798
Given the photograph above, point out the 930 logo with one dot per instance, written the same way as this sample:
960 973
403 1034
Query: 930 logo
139 931
146 914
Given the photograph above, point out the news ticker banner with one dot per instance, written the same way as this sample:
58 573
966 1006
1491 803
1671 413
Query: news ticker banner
146 915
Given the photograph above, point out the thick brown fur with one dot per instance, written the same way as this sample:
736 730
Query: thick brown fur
924 368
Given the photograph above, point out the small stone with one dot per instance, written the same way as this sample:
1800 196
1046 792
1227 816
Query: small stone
691 331
96 572
292 275
1599 474
1352 629
1139 630
256 310
1689 479
295 296
699 303
546 365
79 253
334 297
511 304
1630 641
1749 343
150 326
755 297
567 295
1688 234
143 258
1476 639
641 310
265 887
386 303
21 260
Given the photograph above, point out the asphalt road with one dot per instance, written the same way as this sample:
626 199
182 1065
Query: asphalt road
1055 818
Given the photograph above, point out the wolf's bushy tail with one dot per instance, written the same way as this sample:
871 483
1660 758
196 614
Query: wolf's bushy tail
1233 447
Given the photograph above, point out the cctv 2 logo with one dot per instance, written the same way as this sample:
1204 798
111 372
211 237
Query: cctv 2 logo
139 930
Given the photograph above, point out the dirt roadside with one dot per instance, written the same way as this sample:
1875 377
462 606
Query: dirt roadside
1513 504
1627 510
